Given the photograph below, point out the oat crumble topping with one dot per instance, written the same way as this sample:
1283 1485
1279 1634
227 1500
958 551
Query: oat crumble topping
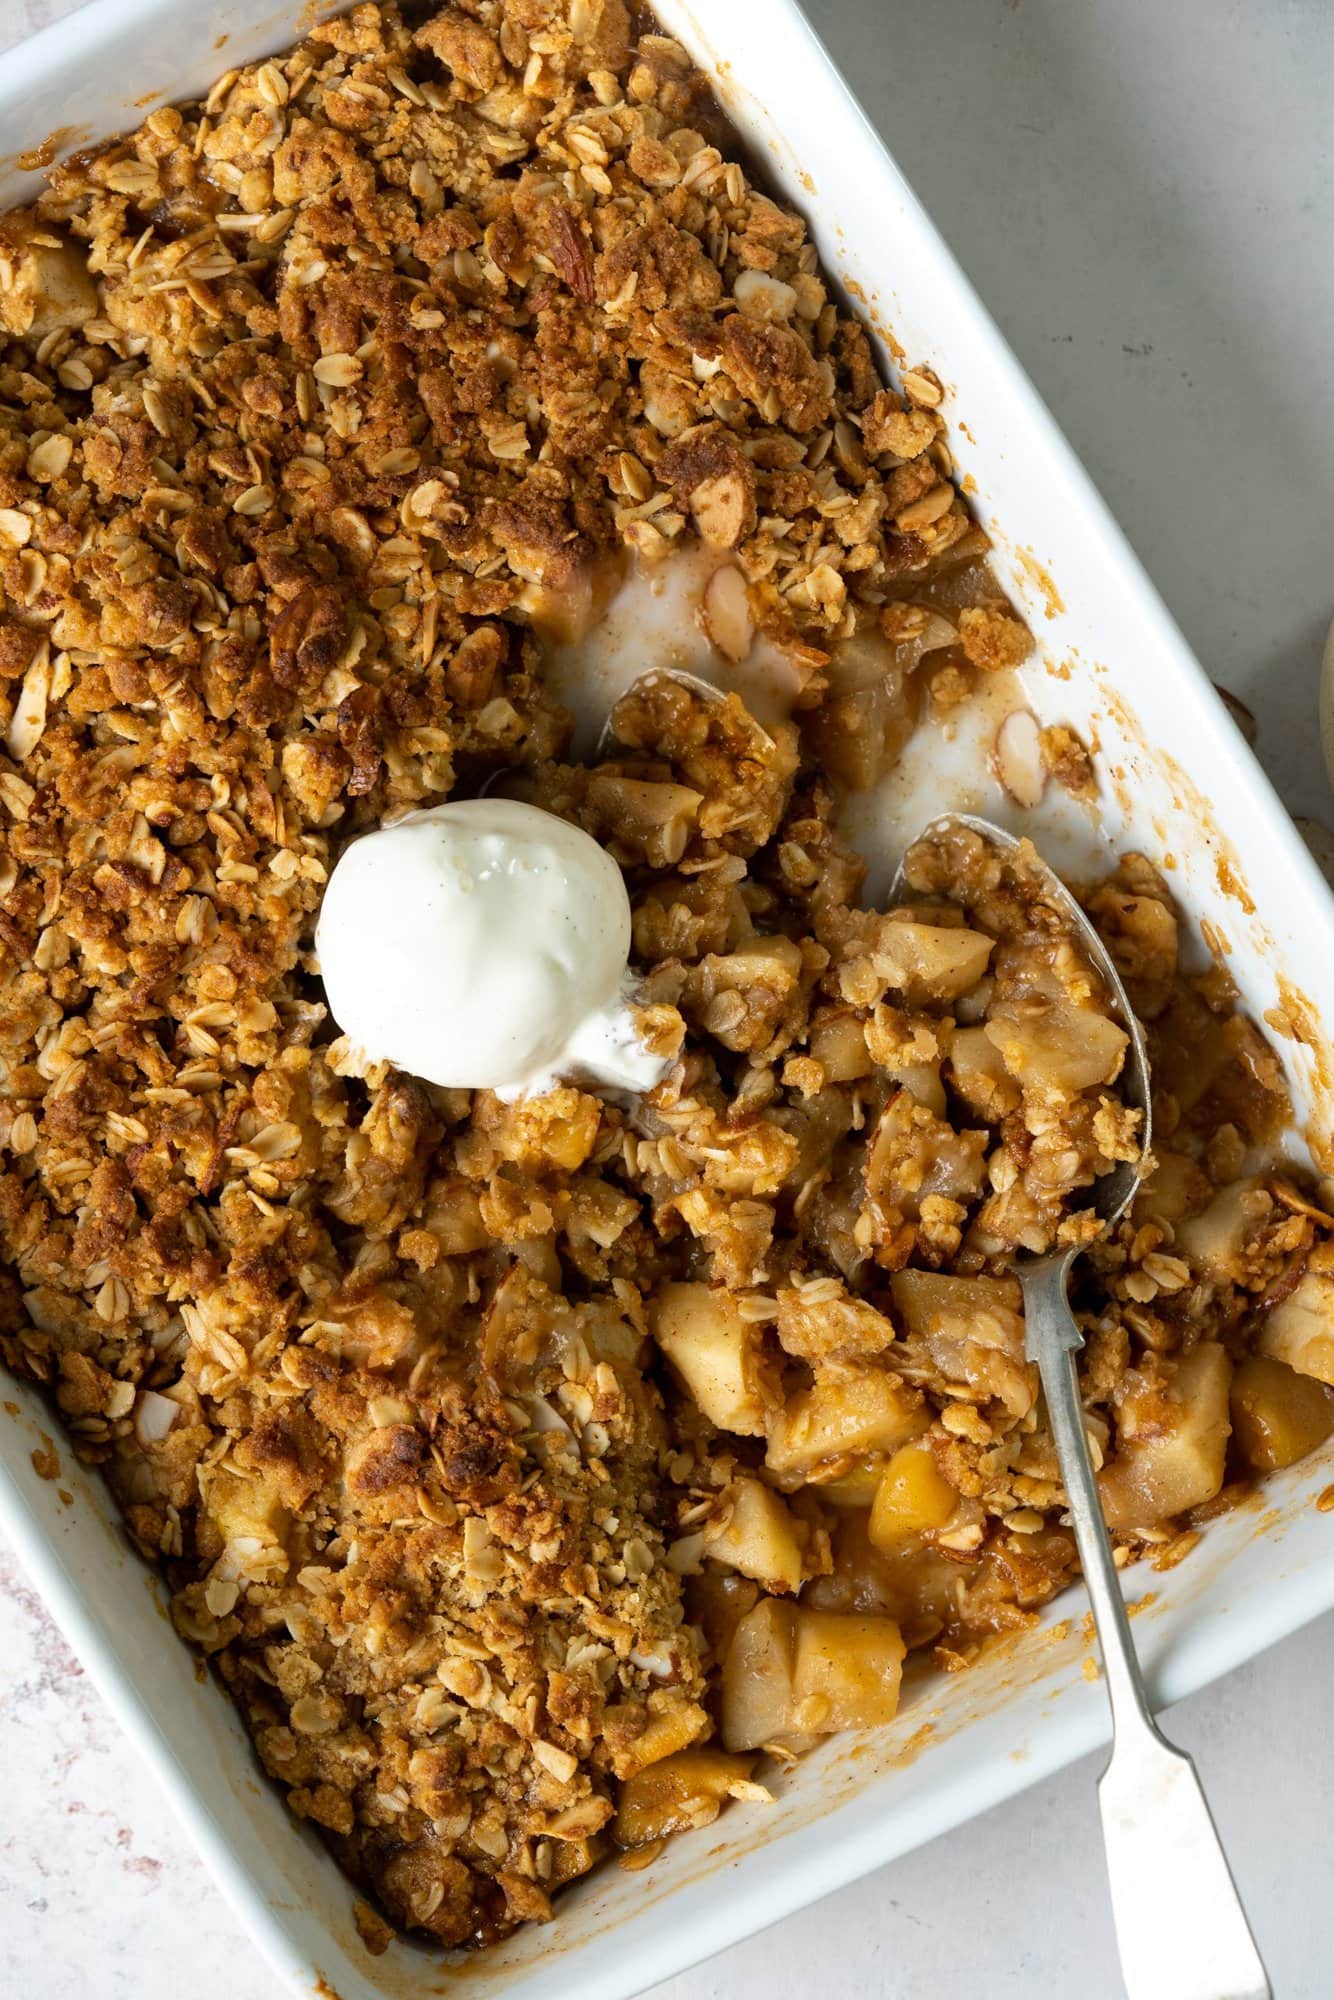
502 1456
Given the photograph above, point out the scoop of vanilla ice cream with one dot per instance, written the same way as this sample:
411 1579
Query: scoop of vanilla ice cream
483 944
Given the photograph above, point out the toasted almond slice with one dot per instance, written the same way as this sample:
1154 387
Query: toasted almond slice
337 371
726 614
1017 757
922 387
919 514
719 507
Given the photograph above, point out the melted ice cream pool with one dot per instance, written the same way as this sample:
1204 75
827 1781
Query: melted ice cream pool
659 620
949 765
483 944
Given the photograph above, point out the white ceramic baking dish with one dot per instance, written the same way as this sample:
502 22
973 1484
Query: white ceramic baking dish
1178 781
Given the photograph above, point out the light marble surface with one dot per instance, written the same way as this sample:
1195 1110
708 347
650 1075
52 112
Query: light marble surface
1144 194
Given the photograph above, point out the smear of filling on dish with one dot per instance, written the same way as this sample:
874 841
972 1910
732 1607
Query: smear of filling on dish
536 1475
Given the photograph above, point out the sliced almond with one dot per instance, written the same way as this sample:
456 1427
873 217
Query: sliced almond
337 371
1017 758
922 387
29 717
254 501
544 1417
922 513
645 540
719 508
726 614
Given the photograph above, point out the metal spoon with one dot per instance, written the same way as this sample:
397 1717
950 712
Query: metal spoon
1181 1931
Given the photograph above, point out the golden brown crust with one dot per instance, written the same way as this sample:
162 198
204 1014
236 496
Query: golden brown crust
315 399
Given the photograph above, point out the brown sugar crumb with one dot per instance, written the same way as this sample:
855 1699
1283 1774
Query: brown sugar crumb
888 430
472 1438
993 638
1067 762
374 1932
1176 1550
951 687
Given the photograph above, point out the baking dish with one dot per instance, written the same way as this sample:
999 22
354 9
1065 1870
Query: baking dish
1133 686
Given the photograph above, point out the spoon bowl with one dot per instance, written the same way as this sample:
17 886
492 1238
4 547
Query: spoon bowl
1113 1192
1181 1931
696 684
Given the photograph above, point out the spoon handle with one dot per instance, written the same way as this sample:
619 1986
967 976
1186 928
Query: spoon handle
1180 1928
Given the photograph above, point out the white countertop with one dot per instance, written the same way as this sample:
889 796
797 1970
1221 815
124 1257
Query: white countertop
1144 195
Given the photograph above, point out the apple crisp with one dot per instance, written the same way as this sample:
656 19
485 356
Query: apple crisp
526 1470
